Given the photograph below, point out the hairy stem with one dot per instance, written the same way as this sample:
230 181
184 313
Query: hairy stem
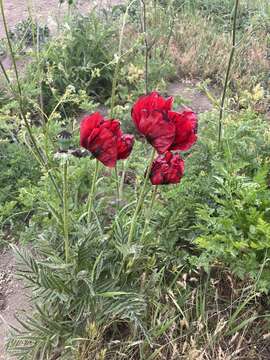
221 112
65 210
92 193
172 18
5 73
122 181
141 199
117 184
116 71
149 213
144 30
114 85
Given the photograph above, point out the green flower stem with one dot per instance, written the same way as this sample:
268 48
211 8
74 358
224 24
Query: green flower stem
117 67
114 85
5 74
65 210
39 154
92 193
227 74
149 213
141 199
117 184
144 30
122 181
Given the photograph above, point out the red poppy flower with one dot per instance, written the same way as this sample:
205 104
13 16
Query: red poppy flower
150 115
103 139
167 169
88 124
148 103
186 129
124 146
158 130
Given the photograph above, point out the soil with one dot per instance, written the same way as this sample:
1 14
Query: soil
196 100
13 298
46 11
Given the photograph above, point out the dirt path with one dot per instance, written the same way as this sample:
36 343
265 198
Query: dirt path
188 91
13 297
46 11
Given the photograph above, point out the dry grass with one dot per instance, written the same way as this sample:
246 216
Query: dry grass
202 52
216 319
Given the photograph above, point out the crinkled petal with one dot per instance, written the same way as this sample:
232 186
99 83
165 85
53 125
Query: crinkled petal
186 129
158 130
148 103
88 124
167 169
113 126
103 145
124 146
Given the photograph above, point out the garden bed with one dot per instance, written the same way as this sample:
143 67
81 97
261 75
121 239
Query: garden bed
135 181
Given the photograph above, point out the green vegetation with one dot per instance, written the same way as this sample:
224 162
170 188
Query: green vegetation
193 281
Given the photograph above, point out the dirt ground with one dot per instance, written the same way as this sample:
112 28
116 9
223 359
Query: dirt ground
46 11
13 297
196 100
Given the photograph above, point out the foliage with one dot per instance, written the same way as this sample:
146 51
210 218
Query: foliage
81 57
17 172
221 11
223 198
27 32
81 298
91 309
236 230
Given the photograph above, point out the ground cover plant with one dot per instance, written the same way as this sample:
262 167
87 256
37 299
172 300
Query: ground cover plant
140 227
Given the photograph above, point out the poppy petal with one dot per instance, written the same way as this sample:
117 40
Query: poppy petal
124 146
113 126
158 130
186 129
103 146
148 103
88 124
167 169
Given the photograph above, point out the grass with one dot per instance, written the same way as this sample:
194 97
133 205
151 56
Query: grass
202 52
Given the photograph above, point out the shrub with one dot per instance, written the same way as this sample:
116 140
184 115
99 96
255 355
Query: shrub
17 172
221 210
81 57
28 33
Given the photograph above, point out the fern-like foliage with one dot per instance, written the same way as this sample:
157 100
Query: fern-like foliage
68 298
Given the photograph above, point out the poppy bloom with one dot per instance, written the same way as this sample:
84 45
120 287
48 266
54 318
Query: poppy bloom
148 103
150 115
185 129
163 128
167 169
104 139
